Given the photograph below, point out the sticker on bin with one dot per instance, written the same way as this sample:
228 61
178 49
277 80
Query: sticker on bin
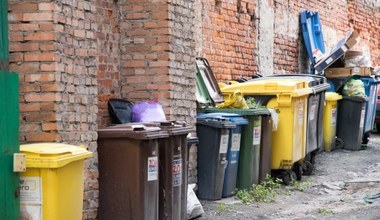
312 112
256 135
30 198
300 113
362 118
152 168
177 172
236 142
333 116
223 144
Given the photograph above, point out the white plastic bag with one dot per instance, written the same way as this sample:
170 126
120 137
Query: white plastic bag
147 112
194 207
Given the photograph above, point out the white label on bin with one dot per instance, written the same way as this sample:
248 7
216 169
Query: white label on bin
223 144
236 142
152 168
362 118
31 212
177 172
333 116
256 135
31 198
30 190
300 113
312 112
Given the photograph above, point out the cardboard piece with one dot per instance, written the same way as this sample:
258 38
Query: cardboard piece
347 71
338 51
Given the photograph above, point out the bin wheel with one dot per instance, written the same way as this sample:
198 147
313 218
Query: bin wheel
307 168
297 168
365 139
312 158
287 176
339 143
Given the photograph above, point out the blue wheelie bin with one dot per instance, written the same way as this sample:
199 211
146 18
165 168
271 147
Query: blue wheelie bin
371 86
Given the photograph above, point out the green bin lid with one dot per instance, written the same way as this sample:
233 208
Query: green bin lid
53 155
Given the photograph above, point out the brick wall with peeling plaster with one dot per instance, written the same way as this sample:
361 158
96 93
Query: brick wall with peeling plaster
72 56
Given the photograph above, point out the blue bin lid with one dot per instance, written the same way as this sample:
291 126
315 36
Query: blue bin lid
312 32
216 122
232 117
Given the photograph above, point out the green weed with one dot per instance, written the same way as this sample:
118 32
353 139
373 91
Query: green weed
221 209
263 192
300 186
325 211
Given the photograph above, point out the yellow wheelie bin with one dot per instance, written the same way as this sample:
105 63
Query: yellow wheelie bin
52 186
289 99
329 120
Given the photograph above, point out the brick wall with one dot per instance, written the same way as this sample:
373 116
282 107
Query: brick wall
229 37
364 16
157 55
283 50
53 47
73 56
108 60
144 47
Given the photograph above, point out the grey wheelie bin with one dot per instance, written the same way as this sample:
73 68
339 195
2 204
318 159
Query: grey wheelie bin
350 122
213 135
233 151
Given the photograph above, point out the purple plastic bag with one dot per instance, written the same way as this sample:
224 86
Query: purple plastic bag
147 112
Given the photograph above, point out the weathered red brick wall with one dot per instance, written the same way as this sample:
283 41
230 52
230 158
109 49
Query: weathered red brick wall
229 37
108 59
53 47
144 47
273 28
288 42
364 16
157 56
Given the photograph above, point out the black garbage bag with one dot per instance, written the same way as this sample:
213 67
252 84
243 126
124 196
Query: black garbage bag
120 111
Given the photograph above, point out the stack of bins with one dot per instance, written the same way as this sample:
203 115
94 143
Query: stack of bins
329 120
233 151
371 86
316 100
255 149
129 171
289 99
208 95
213 136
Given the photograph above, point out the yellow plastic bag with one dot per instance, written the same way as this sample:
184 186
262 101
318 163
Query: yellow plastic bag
235 100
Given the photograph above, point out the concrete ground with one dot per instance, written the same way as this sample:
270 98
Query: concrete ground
336 190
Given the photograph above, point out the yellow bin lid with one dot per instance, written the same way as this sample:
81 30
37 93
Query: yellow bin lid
274 86
52 155
332 96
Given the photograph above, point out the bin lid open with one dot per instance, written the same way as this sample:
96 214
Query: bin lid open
208 92
52 155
